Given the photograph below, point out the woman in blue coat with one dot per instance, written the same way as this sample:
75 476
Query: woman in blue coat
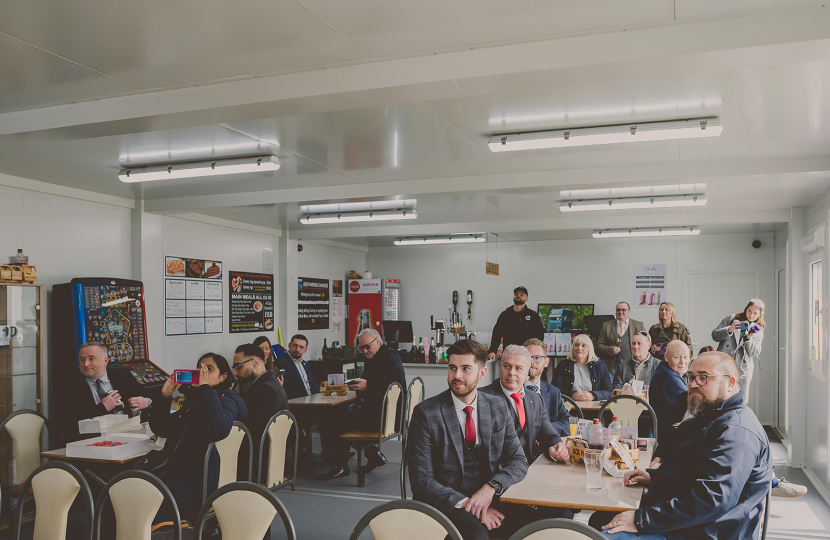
583 376
207 415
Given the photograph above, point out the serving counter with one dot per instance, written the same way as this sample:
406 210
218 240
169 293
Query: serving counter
435 376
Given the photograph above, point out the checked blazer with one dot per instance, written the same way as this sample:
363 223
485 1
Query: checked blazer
435 449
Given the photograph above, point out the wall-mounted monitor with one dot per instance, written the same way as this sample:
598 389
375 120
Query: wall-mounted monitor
565 318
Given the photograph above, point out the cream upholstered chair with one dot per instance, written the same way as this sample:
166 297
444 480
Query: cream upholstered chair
272 472
228 449
629 408
136 497
573 407
244 511
406 520
54 486
388 429
414 395
25 427
557 529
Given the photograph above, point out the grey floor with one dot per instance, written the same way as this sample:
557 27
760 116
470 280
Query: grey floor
331 509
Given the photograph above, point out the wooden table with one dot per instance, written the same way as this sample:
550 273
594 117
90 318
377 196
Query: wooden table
563 485
593 406
319 400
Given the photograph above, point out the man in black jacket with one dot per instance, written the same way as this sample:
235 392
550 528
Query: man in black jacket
516 324
264 397
383 367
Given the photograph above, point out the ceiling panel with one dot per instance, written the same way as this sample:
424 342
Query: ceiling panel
160 44
698 9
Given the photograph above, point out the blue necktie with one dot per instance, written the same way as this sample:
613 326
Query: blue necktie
533 387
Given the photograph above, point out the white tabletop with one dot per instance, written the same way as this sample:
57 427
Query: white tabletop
321 400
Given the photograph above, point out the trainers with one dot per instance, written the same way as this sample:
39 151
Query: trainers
788 489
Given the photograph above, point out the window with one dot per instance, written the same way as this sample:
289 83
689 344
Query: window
816 355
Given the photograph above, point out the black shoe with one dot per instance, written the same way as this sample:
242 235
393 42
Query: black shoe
335 472
373 462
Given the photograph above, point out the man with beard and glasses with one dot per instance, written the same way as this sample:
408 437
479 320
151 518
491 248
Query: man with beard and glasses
516 324
463 450
714 478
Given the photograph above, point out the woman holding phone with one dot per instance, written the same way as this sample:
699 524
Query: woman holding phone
667 330
207 415
740 336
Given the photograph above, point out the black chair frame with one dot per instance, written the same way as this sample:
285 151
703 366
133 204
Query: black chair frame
641 401
260 477
452 532
11 501
571 401
246 486
405 413
143 475
765 525
210 448
85 492
403 467
557 523
361 444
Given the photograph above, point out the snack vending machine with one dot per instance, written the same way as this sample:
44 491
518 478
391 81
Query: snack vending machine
110 311
368 302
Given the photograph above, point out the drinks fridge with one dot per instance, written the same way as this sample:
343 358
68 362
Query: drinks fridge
368 302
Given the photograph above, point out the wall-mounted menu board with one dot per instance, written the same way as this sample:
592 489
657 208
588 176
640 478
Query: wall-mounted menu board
313 303
252 302
192 296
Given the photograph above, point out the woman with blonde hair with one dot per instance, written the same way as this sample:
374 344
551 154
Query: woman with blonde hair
667 330
740 336
583 376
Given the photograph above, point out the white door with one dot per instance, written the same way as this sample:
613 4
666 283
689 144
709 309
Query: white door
712 296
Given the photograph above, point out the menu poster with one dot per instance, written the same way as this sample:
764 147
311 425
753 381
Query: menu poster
252 302
313 303
192 296
649 285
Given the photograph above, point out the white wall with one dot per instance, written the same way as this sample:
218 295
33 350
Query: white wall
584 271
318 260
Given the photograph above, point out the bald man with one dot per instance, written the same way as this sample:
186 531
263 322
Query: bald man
667 382
715 476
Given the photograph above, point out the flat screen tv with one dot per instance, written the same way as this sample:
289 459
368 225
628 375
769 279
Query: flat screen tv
565 318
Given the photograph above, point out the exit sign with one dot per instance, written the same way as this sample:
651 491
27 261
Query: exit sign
491 268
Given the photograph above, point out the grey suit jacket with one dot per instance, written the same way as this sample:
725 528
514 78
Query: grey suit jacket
435 449
628 369
537 422
608 337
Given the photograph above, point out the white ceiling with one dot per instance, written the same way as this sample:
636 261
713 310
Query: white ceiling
367 99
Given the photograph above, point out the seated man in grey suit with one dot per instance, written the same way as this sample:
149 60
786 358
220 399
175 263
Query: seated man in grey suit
463 450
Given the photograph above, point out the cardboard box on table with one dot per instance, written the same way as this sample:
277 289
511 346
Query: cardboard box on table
134 445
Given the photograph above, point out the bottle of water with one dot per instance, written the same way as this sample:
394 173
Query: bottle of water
596 440
615 429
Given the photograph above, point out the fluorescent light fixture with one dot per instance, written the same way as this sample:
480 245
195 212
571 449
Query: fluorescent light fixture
358 206
632 191
581 205
345 217
430 240
662 231
604 112
649 131
214 167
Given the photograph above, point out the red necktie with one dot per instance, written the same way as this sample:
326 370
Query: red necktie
520 408
470 428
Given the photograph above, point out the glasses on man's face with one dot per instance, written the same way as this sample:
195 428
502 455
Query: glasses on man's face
366 347
537 359
700 380
238 366
622 310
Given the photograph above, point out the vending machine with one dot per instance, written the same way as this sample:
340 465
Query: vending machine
368 302
111 311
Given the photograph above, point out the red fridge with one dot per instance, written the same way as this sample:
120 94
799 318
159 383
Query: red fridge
369 301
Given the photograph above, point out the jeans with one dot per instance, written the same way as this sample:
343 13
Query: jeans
631 536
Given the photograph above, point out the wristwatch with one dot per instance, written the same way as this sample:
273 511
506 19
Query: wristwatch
495 485
149 402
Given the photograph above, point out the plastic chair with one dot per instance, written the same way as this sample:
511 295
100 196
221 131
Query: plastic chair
359 440
406 520
228 449
557 529
276 432
414 395
55 486
572 406
629 408
25 428
136 497
244 511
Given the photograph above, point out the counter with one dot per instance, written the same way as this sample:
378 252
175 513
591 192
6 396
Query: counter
435 376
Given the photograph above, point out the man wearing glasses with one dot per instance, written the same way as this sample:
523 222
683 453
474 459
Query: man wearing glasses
264 396
715 476
557 413
383 367
614 344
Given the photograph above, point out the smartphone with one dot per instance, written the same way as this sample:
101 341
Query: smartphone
744 326
186 376
281 372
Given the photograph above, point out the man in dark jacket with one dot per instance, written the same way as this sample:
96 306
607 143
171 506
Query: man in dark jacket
264 397
516 324
298 381
383 367
557 413
714 478
667 382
